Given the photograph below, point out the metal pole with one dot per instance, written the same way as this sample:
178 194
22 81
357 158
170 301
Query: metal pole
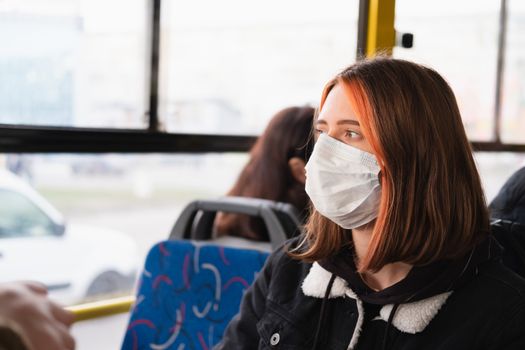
362 29
502 38
154 124
381 36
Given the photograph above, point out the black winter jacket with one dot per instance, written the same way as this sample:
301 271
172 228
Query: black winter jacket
288 308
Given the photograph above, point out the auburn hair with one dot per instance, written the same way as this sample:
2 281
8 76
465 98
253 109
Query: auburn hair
432 204
267 174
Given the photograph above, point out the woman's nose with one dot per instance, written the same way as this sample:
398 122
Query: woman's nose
332 133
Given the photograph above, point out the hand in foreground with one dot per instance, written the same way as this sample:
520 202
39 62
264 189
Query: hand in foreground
41 323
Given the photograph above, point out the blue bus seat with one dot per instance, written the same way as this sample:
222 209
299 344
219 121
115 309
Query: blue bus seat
188 293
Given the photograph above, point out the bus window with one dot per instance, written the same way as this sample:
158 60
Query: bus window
70 63
496 168
229 68
513 89
82 224
459 40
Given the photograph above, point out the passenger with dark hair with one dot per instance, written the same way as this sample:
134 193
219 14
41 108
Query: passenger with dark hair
507 212
275 171
397 253
509 203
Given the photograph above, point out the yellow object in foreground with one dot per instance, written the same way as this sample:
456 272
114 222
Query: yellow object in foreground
101 308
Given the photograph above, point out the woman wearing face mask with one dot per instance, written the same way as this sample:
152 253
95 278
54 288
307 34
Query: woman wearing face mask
397 253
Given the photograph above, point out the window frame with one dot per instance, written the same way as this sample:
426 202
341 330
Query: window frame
375 31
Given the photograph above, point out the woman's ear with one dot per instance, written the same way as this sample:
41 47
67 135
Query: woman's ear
296 166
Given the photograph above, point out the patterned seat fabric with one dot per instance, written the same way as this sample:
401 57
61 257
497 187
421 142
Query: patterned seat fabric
187 294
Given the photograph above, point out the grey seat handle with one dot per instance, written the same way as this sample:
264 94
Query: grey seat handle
265 209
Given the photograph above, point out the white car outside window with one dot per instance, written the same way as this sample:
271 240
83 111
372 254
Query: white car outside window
74 262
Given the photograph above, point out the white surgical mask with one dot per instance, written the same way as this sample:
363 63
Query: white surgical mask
342 182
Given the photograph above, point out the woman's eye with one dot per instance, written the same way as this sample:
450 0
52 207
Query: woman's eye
318 131
352 134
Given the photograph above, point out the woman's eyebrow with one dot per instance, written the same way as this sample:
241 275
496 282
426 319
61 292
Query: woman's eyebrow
340 122
348 121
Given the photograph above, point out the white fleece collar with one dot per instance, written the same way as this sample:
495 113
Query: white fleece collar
315 283
409 318
414 317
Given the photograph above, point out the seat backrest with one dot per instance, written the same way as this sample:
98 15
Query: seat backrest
196 220
187 294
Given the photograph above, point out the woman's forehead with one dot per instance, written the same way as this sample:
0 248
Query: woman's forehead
337 108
